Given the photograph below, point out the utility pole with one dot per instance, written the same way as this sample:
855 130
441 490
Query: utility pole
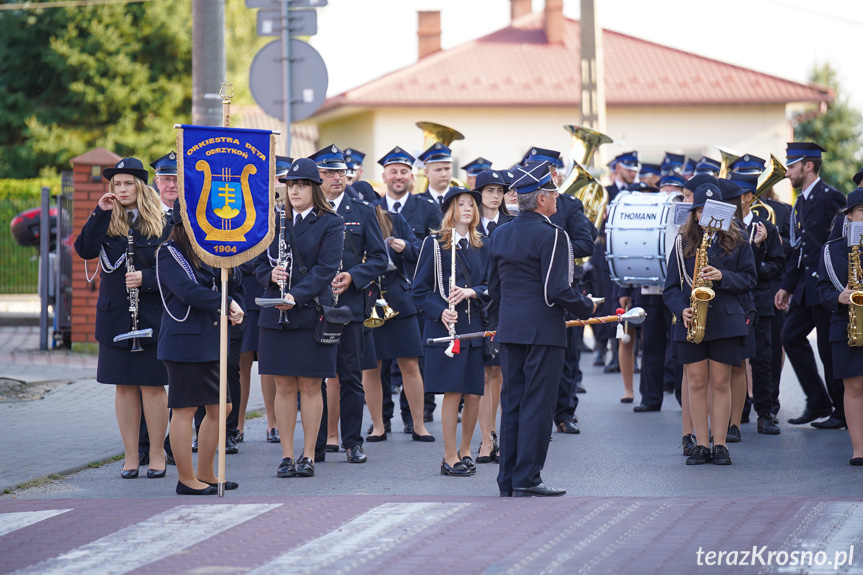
208 60
592 70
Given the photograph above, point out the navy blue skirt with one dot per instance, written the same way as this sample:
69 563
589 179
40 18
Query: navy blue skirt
398 337
847 361
462 373
727 350
119 366
250 334
294 352
193 384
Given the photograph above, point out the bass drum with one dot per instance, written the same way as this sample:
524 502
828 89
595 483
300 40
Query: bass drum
640 234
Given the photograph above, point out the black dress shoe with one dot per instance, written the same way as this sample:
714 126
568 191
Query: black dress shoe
810 415
579 388
143 458
356 455
424 438
387 428
506 493
195 445
377 438
408 428
468 462
286 468
305 467
856 461
625 400
273 436
240 437
541 490
699 456
774 418
485 458
766 426
183 489
689 444
610 368
568 426
644 408
330 448
155 473
169 459
720 455
457 470
831 423
129 473
428 416
599 359
231 445
733 435
229 485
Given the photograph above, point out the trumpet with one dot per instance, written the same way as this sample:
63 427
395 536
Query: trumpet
133 294
769 178
375 320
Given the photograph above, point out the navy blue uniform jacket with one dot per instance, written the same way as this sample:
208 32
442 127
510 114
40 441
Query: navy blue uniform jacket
814 218
320 242
363 234
725 314
397 282
186 287
770 263
422 214
112 307
529 280
427 297
828 294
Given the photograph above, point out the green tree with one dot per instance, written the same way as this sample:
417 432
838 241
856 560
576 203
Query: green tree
839 131
71 79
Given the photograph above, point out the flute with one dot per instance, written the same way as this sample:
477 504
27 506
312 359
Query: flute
453 347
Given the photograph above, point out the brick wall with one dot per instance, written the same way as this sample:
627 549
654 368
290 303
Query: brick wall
87 191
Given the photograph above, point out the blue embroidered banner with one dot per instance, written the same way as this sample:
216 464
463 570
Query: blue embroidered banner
225 178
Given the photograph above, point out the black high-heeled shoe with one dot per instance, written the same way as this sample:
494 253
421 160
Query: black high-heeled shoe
155 473
183 489
457 470
468 462
484 458
129 473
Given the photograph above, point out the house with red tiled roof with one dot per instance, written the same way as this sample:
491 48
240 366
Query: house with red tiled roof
516 87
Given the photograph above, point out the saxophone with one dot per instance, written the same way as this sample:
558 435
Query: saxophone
702 293
855 313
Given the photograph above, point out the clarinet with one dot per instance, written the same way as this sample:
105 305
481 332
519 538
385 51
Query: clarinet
283 263
133 292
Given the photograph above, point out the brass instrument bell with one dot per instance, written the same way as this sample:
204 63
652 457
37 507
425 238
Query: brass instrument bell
728 158
374 320
433 133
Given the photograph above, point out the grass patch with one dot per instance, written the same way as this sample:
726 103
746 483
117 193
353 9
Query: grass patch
255 414
38 482
98 464
85 347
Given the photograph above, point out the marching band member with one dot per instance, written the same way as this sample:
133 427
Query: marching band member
364 259
316 237
834 291
530 278
770 264
810 227
398 338
459 304
708 364
129 207
473 169
492 185
189 348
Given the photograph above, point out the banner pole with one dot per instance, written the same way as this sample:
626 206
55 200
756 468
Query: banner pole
223 327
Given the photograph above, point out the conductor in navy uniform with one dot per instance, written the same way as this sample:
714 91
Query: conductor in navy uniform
530 278
811 217
364 259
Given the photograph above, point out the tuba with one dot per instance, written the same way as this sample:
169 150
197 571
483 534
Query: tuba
433 133
702 292
579 182
855 310
728 158
769 178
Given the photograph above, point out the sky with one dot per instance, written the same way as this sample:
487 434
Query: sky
361 40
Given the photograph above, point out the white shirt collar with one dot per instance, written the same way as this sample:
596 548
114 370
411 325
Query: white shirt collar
337 202
619 183
485 220
166 208
402 202
457 238
808 190
436 196
747 219
304 213
134 214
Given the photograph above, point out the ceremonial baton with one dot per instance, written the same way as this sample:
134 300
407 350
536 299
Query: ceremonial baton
635 316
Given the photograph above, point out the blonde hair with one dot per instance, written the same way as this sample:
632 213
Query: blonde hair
449 221
151 217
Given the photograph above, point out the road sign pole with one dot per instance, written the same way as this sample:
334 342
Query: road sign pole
286 75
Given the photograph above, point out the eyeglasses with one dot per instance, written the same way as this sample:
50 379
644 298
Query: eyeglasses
332 173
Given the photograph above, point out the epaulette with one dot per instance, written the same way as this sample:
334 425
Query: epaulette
568 197
428 200
363 202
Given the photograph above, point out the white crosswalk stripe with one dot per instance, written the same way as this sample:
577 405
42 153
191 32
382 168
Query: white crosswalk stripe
362 539
150 540
10 522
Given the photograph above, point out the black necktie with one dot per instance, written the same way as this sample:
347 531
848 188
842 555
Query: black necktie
397 207
298 220
131 217
440 201
462 244
490 227
332 204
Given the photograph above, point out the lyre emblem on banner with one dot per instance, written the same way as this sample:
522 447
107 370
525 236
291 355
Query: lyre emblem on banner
225 197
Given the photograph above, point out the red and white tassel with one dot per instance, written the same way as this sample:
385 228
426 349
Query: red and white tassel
453 348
